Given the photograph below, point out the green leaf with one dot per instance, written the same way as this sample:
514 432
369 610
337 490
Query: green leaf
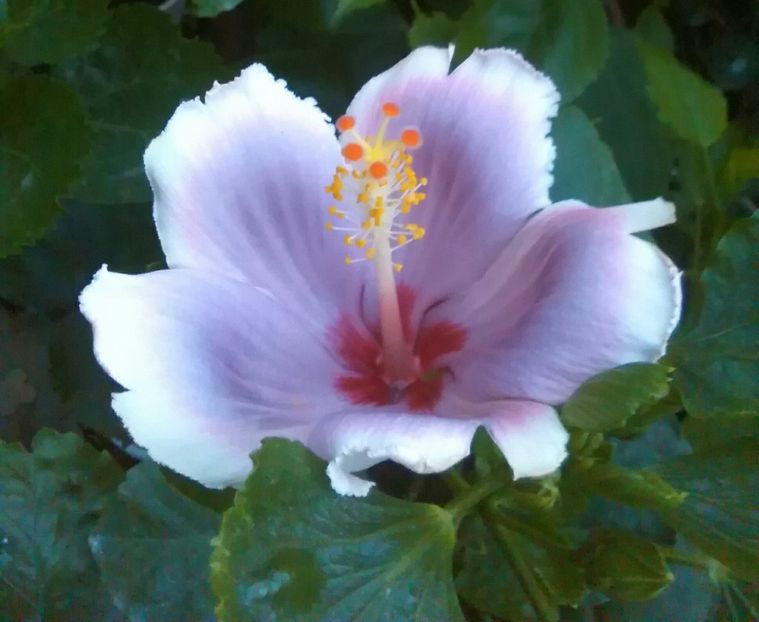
693 108
41 31
50 500
641 488
720 514
131 84
627 567
324 61
435 28
702 431
718 361
607 400
348 6
626 119
43 137
567 40
689 598
293 549
211 8
654 29
487 580
740 166
49 275
153 547
571 44
593 178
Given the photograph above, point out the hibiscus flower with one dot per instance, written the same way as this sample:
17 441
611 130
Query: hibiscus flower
379 294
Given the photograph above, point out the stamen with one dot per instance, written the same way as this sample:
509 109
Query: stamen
376 187
378 169
353 152
345 123
411 138
390 109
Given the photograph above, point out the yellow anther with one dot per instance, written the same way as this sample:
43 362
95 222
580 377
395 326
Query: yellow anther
348 261
397 267
423 181
329 226
341 170
362 197
370 252
361 243
333 211
347 240
367 224
402 239
416 231
376 213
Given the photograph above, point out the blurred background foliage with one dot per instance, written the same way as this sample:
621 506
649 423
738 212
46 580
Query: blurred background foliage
659 98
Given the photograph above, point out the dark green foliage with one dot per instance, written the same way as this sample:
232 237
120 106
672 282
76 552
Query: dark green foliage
605 402
130 85
51 499
43 137
291 549
718 361
153 546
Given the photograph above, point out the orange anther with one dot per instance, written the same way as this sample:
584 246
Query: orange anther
353 151
411 137
390 109
378 170
345 123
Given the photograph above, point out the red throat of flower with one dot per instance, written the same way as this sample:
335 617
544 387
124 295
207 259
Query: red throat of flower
376 190
367 380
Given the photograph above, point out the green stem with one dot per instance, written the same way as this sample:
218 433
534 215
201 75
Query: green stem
467 496
533 532
527 579
681 558
455 481
713 202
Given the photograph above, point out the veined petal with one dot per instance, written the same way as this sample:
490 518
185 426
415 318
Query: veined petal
572 295
239 185
486 153
211 366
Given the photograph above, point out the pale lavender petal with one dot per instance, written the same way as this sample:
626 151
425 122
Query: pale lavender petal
572 295
211 366
486 152
239 189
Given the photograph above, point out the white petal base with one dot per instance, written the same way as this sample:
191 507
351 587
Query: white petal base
529 434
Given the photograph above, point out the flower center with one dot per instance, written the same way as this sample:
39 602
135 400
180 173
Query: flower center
374 192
